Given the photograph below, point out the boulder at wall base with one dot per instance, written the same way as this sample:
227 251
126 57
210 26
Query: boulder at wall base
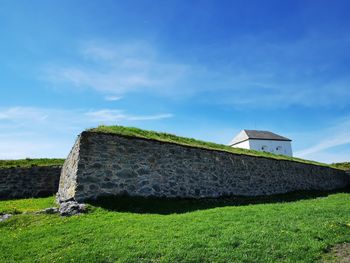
71 208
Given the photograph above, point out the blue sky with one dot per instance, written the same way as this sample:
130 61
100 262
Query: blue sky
204 69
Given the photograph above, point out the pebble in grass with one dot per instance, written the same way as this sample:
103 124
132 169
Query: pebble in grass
4 217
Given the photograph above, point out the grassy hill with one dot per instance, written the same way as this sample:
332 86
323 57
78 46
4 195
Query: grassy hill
166 137
30 162
226 230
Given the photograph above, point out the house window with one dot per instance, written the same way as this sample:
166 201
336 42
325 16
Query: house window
264 148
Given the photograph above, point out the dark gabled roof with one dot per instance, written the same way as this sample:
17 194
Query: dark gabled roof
265 135
245 135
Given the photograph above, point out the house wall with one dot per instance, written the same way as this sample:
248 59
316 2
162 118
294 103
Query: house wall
240 137
244 145
108 164
277 147
271 146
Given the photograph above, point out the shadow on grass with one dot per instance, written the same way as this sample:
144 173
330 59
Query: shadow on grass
166 206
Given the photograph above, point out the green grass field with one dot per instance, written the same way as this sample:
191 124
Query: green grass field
30 162
291 228
166 137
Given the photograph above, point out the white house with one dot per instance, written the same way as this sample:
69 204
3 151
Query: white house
262 141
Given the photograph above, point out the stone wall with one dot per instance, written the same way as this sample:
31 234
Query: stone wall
29 182
108 164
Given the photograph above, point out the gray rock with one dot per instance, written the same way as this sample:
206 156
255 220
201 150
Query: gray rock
4 217
145 190
156 187
127 173
143 170
71 208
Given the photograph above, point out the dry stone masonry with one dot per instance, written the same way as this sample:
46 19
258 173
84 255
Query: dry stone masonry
35 181
108 164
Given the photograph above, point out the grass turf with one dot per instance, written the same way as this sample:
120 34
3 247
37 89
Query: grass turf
166 137
25 205
188 231
30 162
343 166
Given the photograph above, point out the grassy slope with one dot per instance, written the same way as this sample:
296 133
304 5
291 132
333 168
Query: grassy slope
278 232
135 132
30 162
25 205
343 166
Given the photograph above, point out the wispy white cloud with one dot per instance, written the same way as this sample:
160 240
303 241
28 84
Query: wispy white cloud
253 73
337 135
78 116
46 132
22 113
126 52
117 69
112 98
330 142
265 74
331 157
118 115
151 117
